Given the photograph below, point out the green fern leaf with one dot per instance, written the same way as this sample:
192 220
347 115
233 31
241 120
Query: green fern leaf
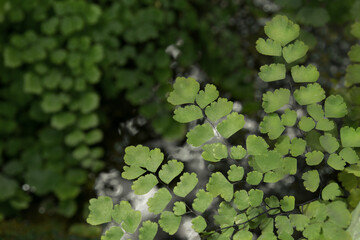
297 147
282 30
338 214
255 197
202 201
329 143
315 211
332 232
350 137
325 124
237 152
295 51
241 200
267 236
186 184
352 75
144 184
269 161
256 145
170 170
355 30
207 96
290 165
306 124
169 222
336 162
302 74
243 235
226 215
233 123
315 111
287 204
354 53
219 185
214 152
331 191
283 225
114 233
274 176
179 208
130 219
335 107
185 91
272 72
100 210
235 173
200 135
159 201
132 172
312 231
187 114
148 230
299 221
268 47
314 158
272 125
273 101
349 155
254 177
198 224
310 94
283 145
288 118
311 180
272 202
136 156
218 109
155 159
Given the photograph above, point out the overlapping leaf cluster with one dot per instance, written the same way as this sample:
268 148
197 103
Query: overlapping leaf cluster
243 209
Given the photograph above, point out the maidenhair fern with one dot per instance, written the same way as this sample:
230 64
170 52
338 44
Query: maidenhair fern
244 210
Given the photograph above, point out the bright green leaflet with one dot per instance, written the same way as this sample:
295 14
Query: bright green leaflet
241 200
170 170
155 160
254 177
268 47
315 111
287 204
272 72
297 147
310 94
269 161
198 224
294 51
148 230
233 123
114 233
349 155
237 152
335 107
329 143
136 156
311 180
352 75
214 152
219 185
186 184
325 124
130 218
316 210
159 201
288 118
302 74
255 197
179 208
185 91
144 184
314 158
275 100
187 114
354 53
272 125
202 201
235 173
226 215
207 96
100 210
243 235
312 231
283 225
281 29
331 191
338 214
256 145
169 222
332 232
200 135
132 172
336 162
306 124
350 137
218 109
299 221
